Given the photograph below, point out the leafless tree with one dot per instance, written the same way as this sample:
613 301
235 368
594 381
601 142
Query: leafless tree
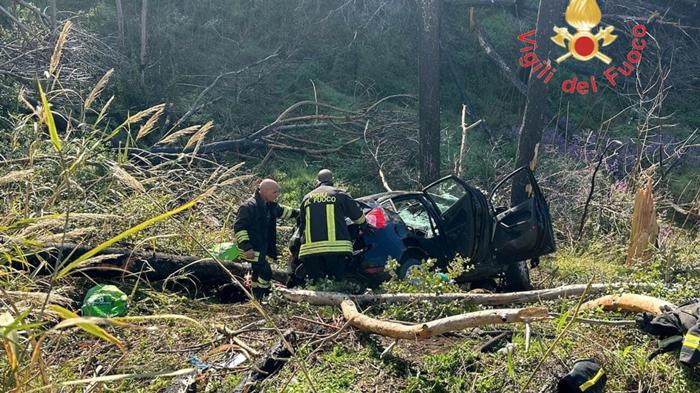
429 90
120 22
144 39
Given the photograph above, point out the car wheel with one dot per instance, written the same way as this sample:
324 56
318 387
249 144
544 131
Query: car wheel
518 277
408 265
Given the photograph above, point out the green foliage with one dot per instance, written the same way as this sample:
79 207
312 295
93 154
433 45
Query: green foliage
452 371
423 278
336 373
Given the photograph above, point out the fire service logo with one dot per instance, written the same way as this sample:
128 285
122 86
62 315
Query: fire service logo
583 45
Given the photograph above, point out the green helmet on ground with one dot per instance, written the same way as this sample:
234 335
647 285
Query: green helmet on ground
105 301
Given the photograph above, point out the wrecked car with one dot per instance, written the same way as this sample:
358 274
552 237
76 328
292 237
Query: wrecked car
450 218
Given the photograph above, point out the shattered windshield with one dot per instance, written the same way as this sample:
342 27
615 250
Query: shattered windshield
414 214
446 194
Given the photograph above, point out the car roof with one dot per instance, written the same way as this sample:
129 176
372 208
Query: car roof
382 196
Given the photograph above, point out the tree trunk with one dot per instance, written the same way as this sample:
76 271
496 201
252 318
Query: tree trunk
144 39
53 15
120 23
429 90
549 12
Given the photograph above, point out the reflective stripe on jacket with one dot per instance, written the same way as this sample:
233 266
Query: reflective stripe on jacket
690 352
323 213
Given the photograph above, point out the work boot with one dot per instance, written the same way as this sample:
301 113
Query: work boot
260 293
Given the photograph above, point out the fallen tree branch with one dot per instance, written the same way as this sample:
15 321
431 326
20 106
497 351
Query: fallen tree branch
195 104
154 266
687 213
336 298
493 343
629 302
375 156
39 297
438 326
14 19
502 65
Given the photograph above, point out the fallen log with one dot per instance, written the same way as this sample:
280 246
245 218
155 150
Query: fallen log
438 326
37 297
275 358
629 302
154 266
493 299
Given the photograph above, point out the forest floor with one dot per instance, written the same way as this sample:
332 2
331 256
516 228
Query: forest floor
350 361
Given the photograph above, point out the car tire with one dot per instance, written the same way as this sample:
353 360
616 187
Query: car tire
407 265
518 277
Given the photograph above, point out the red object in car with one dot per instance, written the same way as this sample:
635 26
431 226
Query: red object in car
376 218
374 269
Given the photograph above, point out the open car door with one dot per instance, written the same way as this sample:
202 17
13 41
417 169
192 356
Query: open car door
523 231
464 217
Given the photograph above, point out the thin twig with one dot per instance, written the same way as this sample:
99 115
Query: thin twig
559 337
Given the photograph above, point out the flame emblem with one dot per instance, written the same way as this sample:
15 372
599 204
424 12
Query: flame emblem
584 15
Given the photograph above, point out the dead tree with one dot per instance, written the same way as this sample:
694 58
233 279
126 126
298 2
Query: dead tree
536 104
144 39
120 22
429 90
53 15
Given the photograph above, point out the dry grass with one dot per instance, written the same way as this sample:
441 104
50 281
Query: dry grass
58 49
150 124
144 113
125 178
199 136
97 90
172 138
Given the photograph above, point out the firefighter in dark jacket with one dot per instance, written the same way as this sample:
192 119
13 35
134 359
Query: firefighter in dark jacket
255 230
326 245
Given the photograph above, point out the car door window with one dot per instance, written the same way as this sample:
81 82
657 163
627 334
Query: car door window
415 215
446 194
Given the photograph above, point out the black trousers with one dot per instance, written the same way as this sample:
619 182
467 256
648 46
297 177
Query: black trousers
328 265
262 274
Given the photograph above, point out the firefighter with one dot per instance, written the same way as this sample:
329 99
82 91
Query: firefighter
255 230
326 245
